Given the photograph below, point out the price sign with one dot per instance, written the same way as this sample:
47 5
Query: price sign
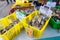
29 32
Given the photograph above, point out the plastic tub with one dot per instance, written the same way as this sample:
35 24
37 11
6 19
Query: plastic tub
35 33
55 25
14 30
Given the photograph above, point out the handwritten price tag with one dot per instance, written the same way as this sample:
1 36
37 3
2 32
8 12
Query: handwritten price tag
29 32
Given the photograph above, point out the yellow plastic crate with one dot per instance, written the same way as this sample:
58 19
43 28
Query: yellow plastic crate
21 3
15 30
36 32
11 33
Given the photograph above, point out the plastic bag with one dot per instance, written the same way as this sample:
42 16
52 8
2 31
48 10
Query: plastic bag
45 11
51 4
20 14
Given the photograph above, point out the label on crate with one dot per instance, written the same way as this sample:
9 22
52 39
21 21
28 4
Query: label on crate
29 32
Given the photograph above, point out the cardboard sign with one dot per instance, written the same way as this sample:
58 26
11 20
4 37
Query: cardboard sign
29 32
